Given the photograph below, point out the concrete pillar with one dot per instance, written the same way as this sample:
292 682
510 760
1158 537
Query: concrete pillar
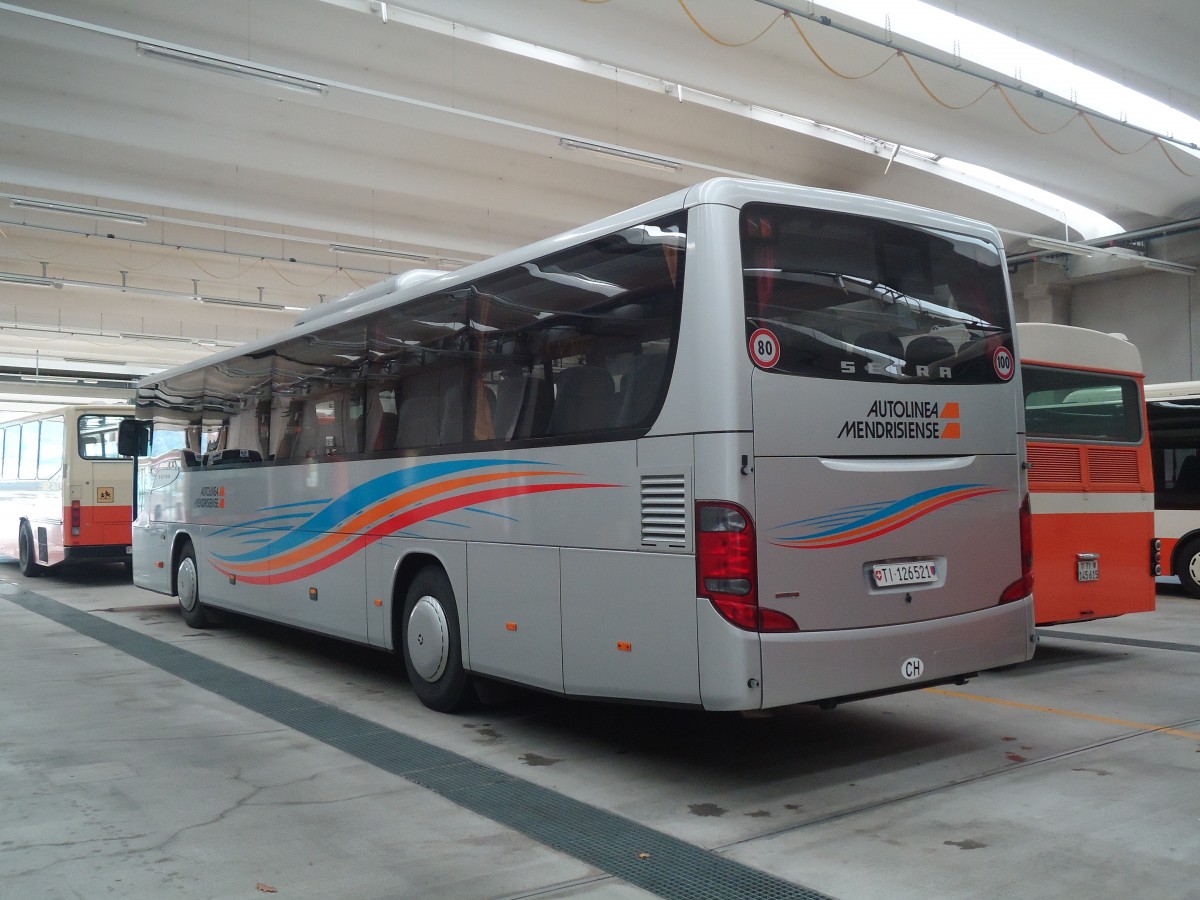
1047 303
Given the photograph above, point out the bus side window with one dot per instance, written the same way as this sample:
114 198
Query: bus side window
12 452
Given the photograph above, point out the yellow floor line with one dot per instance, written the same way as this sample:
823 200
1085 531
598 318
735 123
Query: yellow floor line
1140 726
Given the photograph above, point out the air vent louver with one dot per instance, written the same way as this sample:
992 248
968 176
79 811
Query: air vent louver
664 511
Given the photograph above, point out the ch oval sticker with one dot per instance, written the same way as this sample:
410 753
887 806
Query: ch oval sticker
912 669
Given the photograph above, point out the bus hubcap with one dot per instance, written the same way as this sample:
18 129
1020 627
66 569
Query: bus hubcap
1194 567
428 639
187 584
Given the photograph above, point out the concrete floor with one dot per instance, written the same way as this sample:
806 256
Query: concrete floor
1076 775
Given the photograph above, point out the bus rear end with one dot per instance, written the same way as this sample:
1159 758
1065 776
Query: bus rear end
890 518
98 489
1090 480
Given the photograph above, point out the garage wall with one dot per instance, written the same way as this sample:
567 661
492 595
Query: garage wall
1158 311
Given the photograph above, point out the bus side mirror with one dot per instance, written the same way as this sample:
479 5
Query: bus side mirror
133 437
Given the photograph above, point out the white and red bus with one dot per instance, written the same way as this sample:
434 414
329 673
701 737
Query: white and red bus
65 494
745 446
1173 411
1090 480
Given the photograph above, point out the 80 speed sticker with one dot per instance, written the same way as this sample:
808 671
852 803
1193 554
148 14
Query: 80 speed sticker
764 348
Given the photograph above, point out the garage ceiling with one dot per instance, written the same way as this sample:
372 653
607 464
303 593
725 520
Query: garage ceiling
439 134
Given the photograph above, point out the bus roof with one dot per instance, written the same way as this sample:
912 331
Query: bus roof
1173 390
1043 342
733 192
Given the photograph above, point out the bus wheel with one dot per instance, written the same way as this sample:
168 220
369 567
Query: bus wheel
28 553
432 644
187 586
1188 568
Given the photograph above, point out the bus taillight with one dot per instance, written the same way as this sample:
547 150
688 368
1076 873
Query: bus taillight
1023 587
76 518
727 568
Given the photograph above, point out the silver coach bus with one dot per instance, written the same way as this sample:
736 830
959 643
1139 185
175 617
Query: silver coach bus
745 446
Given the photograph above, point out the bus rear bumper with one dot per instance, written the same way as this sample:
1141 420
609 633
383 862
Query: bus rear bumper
99 553
811 667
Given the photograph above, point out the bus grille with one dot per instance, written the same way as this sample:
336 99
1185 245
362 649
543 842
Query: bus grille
664 511
1083 467
1111 466
1055 464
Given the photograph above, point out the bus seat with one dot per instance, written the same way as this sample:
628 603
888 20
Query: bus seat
640 388
927 349
417 422
1188 478
229 457
510 397
523 404
383 435
310 436
584 400
881 342
451 431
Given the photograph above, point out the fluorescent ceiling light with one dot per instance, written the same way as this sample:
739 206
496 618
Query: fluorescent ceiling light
1031 67
35 280
142 336
231 67
630 156
1087 222
92 212
1163 265
1061 246
378 251
249 304
1126 253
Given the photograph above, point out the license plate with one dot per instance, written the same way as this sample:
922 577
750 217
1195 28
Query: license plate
921 571
1087 569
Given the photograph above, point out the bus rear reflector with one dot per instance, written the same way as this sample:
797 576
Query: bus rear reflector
727 568
76 518
1023 586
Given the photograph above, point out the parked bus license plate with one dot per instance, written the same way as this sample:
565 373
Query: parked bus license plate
1087 569
893 574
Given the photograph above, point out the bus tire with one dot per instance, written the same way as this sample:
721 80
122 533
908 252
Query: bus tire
28 552
1187 566
187 588
432 644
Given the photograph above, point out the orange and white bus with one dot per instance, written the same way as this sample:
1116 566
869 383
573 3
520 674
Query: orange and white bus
1173 412
65 494
1090 482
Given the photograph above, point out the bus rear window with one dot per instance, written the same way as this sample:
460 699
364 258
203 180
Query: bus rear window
844 296
1068 405
98 436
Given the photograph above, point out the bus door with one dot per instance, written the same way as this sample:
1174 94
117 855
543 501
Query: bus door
100 495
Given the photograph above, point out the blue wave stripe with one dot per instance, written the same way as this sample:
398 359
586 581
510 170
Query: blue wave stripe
354 501
892 508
